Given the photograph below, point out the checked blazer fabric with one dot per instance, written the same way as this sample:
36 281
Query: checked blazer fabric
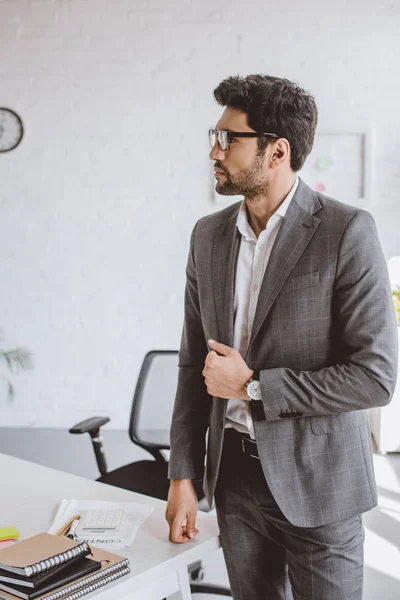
324 340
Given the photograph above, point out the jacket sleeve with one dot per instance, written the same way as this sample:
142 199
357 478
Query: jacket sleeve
363 312
192 402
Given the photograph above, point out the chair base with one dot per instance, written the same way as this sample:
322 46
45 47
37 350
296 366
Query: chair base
210 588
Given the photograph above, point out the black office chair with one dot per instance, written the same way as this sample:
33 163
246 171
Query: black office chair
149 424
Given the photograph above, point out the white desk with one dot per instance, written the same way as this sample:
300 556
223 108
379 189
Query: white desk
31 495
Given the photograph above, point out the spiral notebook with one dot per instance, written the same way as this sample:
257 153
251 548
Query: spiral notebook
40 579
40 553
112 567
86 567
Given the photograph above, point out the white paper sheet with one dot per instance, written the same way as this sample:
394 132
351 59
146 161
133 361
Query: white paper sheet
135 514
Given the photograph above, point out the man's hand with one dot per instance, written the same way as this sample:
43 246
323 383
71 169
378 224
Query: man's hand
181 511
226 374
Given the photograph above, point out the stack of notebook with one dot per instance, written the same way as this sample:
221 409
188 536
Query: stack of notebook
47 567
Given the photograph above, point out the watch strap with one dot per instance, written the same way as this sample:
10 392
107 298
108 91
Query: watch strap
256 406
257 410
254 377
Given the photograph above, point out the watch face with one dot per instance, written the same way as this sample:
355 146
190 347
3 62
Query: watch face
254 390
11 130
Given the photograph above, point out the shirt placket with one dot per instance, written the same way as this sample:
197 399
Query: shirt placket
256 278
255 283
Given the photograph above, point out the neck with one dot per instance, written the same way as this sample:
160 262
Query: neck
261 207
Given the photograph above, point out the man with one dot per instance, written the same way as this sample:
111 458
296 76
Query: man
289 335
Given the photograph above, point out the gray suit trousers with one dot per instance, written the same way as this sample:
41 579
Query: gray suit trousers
269 558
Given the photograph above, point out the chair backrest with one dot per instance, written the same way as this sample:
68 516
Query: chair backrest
153 399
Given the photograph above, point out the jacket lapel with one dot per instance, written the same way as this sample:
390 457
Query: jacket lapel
224 257
298 227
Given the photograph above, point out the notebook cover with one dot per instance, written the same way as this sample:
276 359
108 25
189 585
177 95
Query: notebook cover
84 568
23 557
111 564
41 578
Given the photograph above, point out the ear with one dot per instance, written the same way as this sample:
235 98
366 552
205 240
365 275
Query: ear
280 152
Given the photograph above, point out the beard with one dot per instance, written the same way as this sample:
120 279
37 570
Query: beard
249 182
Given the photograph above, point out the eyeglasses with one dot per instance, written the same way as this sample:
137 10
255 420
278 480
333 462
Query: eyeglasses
225 137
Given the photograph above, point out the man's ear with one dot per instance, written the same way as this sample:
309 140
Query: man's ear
280 152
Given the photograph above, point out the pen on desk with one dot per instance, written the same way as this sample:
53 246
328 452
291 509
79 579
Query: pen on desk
73 527
65 527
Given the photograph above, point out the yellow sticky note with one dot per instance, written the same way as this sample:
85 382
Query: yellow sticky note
9 533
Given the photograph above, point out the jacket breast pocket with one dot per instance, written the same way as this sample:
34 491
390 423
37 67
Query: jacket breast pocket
300 282
339 422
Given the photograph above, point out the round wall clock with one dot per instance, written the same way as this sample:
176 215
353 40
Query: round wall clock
11 130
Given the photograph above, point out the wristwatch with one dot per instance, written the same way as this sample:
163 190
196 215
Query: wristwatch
253 387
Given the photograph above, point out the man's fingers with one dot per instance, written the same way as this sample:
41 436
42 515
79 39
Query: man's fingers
220 348
207 362
191 529
177 533
209 356
183 531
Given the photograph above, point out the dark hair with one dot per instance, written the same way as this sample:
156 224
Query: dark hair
274 105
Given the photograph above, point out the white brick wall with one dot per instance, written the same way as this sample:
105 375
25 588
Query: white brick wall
98 202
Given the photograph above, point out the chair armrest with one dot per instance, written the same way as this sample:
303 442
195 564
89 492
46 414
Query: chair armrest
92 427
89 425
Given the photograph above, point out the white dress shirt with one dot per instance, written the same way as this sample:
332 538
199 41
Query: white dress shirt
251 264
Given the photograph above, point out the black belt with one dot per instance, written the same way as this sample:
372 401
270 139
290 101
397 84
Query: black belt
244 442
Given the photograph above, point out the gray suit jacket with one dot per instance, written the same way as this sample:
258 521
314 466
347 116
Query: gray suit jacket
324 339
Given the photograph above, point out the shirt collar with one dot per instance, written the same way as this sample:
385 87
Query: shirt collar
243 223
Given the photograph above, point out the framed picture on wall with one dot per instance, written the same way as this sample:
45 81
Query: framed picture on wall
340 166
